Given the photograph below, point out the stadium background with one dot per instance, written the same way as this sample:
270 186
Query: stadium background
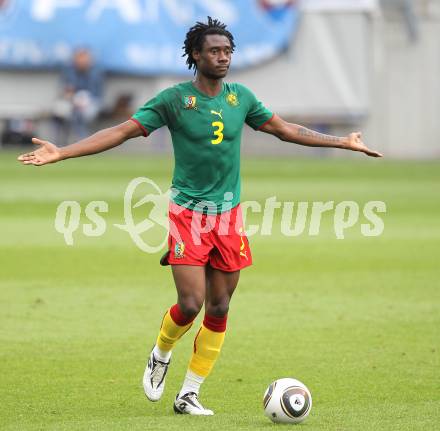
357 320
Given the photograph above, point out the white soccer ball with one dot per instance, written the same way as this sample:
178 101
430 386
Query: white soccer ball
287 400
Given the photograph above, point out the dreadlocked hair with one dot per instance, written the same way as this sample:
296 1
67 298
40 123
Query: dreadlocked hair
196 36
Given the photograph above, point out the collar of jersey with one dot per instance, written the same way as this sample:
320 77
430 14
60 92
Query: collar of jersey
200 93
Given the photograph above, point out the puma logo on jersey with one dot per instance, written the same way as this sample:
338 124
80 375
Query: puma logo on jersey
217 113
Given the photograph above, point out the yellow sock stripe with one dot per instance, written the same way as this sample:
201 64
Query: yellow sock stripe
170 333
207 347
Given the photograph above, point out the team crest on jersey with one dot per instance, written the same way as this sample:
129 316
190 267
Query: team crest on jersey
232 99
179 250
190 102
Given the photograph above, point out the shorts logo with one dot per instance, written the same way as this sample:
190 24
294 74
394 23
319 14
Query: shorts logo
190 102
243 245
232 99
179 250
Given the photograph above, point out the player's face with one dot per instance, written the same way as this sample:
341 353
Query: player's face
214 59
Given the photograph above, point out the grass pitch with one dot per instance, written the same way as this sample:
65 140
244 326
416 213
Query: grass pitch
357 319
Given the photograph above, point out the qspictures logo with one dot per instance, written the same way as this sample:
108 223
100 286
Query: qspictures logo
290 219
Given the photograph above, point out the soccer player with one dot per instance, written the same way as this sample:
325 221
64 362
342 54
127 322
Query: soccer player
207 243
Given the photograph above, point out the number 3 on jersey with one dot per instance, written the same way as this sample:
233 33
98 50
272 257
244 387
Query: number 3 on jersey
218 132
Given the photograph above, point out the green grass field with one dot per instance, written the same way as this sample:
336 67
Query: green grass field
357 320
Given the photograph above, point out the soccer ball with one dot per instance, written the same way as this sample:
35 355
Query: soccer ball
287 400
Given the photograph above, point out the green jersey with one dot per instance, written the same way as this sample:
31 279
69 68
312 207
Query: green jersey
206 135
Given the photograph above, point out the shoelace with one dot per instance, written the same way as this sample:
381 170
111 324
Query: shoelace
158 372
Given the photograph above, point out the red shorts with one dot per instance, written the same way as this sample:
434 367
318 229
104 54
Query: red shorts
200 239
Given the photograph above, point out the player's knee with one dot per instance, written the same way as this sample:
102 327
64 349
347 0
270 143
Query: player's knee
190 307
218 309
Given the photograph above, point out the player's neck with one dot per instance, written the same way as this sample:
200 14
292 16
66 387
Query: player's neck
211 87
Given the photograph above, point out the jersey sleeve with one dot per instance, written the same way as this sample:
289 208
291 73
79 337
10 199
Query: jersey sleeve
154 114
257 114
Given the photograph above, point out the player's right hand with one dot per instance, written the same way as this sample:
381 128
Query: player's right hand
47 153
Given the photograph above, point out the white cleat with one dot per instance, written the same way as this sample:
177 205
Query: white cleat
154 378
189 404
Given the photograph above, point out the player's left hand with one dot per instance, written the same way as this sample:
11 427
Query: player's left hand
354 143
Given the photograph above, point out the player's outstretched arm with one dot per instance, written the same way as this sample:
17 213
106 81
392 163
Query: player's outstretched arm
96 143
301 135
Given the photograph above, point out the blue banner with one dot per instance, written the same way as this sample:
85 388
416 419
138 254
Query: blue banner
136 36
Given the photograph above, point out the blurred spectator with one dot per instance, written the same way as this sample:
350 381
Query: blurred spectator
120 110
81 97
18 132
